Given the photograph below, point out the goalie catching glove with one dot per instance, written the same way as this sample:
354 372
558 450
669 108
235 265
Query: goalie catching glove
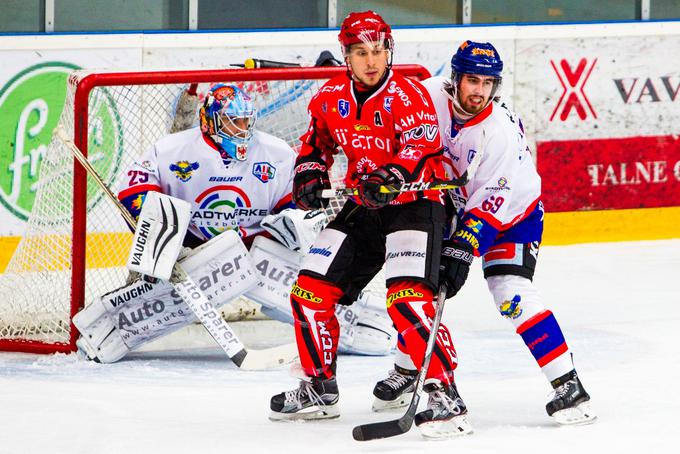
295 229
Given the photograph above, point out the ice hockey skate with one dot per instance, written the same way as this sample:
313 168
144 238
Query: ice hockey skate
315 398
446 414
570 403
395 391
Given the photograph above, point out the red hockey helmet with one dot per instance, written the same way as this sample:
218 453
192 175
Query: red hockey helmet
365 27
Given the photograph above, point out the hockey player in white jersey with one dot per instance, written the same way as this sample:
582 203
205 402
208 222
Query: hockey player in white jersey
235 178
498 215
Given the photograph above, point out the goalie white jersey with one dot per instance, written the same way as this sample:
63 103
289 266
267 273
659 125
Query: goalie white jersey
506 188
224 193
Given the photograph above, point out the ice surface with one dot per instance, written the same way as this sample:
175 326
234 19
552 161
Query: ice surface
618 304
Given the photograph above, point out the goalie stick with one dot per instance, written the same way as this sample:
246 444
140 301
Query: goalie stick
402 425
188 290
436 185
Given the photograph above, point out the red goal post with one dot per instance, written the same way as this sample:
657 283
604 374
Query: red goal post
75 244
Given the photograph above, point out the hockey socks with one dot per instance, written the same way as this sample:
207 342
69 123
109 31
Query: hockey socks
410 306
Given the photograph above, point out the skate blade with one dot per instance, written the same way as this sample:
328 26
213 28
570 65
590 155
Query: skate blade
402 401
312 413
440 430
576 416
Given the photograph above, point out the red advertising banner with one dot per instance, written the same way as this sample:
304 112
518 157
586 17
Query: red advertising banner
601 174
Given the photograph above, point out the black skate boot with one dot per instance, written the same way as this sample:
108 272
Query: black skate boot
315 398
396 390
570 403
446 414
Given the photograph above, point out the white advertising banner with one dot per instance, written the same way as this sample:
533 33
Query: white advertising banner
567 82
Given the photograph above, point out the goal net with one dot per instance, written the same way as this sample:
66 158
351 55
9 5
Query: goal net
75 243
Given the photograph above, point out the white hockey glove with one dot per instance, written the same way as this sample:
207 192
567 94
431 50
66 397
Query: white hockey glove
295 229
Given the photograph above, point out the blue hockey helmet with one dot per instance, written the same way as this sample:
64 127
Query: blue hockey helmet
223 105
477 58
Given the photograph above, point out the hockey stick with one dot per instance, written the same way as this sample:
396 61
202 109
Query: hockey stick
436 185
402 425
189 291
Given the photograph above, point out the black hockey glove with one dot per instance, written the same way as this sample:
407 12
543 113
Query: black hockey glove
311 176
369 188
455 264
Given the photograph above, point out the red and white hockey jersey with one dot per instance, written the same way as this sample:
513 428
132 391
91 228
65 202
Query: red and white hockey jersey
397 124
224 194
506 188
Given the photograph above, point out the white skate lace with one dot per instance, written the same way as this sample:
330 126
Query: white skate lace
395 380
440 401
560 391
306 389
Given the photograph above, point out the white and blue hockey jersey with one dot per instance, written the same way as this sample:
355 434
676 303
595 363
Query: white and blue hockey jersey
224 193
501 203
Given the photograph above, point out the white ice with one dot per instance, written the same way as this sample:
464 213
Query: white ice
618 305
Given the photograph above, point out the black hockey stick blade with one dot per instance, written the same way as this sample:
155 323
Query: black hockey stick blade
384 429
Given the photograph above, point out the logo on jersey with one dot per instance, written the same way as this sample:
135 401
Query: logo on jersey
387 103
360 127
264 171
471 155
411 153
224 207
511 309
136 204
573 82
184 170
343 107
474 225
324 107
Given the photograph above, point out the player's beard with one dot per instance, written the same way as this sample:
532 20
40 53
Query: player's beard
473 107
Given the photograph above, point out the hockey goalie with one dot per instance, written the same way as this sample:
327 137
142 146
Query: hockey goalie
237 182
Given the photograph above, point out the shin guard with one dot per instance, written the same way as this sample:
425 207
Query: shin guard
409 304
316 327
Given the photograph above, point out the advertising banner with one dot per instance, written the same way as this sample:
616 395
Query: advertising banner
605 116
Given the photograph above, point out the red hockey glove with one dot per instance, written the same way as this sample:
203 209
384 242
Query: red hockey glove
311 176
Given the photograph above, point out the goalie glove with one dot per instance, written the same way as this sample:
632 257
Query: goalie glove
295 229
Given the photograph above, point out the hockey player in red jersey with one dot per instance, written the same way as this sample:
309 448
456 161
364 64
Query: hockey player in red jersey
387 127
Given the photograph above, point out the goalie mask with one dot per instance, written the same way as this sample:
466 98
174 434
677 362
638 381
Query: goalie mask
475 58
228 117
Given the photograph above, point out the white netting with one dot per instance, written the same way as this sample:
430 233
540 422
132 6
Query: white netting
35 290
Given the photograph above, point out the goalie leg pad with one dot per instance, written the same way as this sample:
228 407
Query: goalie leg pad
143 311
365 327
518 300
277 268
